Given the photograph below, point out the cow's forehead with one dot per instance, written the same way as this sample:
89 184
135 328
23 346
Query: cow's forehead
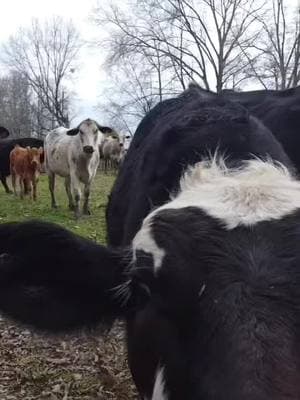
257 192
88 126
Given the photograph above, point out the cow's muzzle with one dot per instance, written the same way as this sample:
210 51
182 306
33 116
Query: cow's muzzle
88 149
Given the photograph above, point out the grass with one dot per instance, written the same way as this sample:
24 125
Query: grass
12 208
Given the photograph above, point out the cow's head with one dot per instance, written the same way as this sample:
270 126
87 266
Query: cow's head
210 285
215 279
90 134
35 156
4 133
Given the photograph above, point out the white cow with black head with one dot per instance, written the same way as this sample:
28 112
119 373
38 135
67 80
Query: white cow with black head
73 154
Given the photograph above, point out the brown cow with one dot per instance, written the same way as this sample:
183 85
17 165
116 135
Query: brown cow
26 165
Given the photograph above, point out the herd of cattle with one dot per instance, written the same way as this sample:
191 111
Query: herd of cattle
203 255
71 153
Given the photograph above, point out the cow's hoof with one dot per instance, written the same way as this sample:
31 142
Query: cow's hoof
86 212
10 192
54 206
71 207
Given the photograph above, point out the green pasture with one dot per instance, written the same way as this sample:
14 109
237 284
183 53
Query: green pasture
12 208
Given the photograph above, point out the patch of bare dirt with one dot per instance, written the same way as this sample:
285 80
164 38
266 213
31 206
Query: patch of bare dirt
85 366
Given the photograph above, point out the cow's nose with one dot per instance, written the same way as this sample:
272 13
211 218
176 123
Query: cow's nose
88 149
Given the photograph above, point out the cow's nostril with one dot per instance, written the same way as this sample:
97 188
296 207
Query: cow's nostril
88 149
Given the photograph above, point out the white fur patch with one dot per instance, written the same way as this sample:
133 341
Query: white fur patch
144 241
159 392
260 191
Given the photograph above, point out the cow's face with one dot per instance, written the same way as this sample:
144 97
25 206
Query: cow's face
35 156
206 281
90 134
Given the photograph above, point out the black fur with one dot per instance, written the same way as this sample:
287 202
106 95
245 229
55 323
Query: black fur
4 133
279 111
55 280
223 311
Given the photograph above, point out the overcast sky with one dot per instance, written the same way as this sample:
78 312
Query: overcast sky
90 77
15 13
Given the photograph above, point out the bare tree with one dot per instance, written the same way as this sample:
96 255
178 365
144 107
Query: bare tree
278 64
45 55
130 96
195 39
16 105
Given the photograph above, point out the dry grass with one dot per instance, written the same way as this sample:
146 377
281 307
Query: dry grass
85 365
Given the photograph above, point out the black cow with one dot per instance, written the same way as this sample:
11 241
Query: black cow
280 112
3 132
204 220
6 147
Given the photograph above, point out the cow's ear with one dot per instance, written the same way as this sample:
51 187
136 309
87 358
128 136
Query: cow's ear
53 279
3 132
73 132
104 129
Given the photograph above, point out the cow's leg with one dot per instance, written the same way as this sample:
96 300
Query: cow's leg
22 187
69 193
86 209
4 183
76 193
34 184
13 181
28 188
51 179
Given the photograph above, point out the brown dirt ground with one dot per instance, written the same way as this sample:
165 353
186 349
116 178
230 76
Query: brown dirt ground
85 365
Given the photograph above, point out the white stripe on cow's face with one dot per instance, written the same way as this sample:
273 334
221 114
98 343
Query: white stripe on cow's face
144 241
159 391
259 191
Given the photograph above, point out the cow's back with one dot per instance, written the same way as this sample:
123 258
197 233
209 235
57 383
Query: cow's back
279 110
282 117
19 162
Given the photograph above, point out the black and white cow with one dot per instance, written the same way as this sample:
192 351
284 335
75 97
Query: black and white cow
203 263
